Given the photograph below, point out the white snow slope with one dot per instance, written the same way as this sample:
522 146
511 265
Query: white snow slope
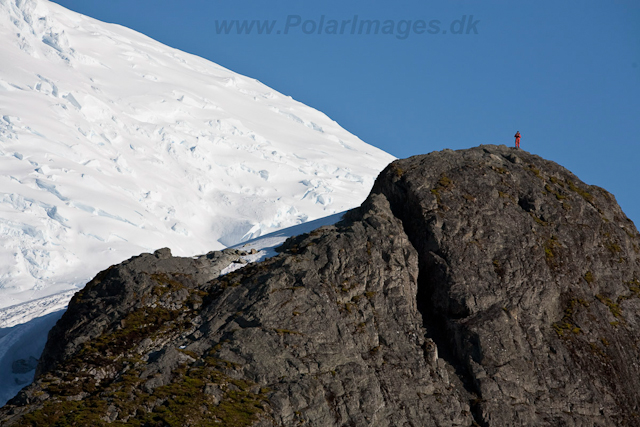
112 144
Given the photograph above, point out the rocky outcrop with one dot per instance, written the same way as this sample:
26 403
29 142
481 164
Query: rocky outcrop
478 287
531 277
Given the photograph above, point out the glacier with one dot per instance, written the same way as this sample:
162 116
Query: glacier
113 144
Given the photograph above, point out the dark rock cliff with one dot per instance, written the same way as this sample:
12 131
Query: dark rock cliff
478 287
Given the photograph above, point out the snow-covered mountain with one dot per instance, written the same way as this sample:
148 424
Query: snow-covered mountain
112 144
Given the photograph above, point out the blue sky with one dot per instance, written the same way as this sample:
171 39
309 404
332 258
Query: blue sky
565 74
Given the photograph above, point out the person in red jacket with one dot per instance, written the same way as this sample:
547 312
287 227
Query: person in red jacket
517 135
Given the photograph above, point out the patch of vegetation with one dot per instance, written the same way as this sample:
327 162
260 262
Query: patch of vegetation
183 402
585 194
567 324
614 248
287 332
556 181
506 196
614 308
532 168
443 184
186 403
595 349
629 233
67 413
588 276
136 326
375 350
436 193
189 353
538 220
88 399
398 171
349 307
347 285
220 364
554 192
225 283
501 171
476 242
551 251
166 284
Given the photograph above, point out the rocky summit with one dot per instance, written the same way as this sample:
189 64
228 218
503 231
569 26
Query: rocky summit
484 287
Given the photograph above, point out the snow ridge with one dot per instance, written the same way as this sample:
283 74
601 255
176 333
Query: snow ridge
112 144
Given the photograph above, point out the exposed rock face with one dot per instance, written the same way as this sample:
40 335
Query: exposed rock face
532 278
484 286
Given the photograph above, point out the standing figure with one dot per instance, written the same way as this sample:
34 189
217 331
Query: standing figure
517 135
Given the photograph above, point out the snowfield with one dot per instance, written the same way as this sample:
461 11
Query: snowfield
112 144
